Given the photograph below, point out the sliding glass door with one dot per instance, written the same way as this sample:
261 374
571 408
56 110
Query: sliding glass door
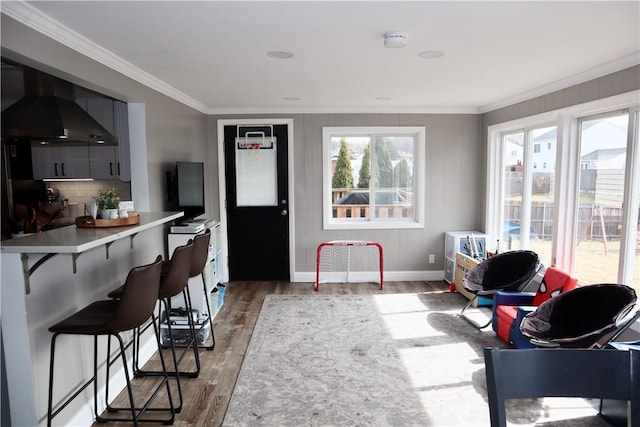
570 192
529 163
603 154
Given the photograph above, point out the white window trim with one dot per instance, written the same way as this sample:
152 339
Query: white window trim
330 223
567 170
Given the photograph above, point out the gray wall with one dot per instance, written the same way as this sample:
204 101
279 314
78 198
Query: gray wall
453 191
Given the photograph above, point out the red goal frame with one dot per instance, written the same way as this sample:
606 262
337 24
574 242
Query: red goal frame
349 243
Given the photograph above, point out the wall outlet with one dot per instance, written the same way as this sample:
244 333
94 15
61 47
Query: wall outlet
432 258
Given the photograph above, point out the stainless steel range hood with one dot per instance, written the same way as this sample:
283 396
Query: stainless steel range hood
49 112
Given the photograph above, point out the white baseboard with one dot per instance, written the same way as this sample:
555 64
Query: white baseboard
392 276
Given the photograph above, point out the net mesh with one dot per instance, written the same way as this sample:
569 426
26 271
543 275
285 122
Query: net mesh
349 261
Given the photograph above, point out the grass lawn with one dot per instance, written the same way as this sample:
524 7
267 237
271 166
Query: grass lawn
593 265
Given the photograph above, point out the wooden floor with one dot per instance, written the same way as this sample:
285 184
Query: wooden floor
206 397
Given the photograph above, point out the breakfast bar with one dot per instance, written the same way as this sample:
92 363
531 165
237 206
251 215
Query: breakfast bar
45 277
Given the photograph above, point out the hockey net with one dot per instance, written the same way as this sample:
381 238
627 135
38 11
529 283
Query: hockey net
341 261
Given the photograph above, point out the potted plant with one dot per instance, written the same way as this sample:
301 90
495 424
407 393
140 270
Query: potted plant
108 202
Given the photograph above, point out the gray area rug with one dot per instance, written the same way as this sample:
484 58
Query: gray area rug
375 360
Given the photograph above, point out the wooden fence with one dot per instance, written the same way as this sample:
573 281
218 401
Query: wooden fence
592 219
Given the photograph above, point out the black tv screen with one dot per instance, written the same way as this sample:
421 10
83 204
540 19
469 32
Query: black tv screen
190 189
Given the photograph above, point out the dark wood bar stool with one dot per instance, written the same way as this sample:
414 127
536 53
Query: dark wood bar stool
198 262
173 281
110 318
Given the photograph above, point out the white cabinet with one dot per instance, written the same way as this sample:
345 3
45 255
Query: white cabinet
60 160
456 241
212 271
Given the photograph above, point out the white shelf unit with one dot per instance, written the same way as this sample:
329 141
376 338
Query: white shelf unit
213 270
456 241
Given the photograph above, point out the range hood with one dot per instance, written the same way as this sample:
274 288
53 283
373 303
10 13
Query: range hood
48 112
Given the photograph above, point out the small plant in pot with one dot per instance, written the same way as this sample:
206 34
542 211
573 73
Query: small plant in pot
108 202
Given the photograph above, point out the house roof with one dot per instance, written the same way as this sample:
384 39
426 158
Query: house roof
605 154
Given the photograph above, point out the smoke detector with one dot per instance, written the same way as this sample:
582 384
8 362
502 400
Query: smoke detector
394 40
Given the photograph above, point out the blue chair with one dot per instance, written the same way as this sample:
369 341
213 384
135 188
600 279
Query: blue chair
561 372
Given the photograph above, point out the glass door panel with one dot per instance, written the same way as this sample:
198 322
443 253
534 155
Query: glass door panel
635 240
603 143
544 142
513 174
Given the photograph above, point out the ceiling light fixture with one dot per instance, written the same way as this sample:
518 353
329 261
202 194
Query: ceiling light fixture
279 54
395 40
431 54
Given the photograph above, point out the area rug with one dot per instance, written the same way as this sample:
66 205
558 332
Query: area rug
372 360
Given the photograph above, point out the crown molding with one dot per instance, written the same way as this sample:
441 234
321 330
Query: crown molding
593 73
343 110
44 24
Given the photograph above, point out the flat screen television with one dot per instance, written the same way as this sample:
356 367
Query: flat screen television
189 189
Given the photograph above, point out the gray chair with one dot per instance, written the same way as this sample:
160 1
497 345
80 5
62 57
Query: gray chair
561 372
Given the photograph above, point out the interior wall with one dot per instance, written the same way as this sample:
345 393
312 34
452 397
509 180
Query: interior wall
453 190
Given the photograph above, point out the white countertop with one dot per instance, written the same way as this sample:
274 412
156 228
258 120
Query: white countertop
75 240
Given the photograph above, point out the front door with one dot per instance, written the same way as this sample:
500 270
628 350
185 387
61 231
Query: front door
257 201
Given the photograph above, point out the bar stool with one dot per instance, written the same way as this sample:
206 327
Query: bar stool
110 318
173 281
198 262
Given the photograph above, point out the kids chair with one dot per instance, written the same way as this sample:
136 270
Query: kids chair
509 308
588 316
506 271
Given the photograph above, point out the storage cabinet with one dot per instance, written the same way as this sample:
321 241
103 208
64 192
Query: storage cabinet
68 160
103 162
60 160
456 241
212 271
108 161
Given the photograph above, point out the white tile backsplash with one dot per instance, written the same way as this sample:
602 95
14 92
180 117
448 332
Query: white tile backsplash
87 191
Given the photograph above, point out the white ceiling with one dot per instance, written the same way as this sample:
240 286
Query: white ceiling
212 55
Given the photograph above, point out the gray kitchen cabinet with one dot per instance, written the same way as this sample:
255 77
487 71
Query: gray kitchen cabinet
103 161
60 160
123 153
108 161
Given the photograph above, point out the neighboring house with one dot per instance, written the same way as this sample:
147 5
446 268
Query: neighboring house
608 158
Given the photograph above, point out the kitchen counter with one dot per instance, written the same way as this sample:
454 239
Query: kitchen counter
76 240
46 277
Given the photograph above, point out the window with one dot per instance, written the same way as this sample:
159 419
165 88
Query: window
581 210
373 177
536 148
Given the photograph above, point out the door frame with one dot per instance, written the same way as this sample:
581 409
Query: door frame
222 191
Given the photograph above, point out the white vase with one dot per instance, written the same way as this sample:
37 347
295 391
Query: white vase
108 213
